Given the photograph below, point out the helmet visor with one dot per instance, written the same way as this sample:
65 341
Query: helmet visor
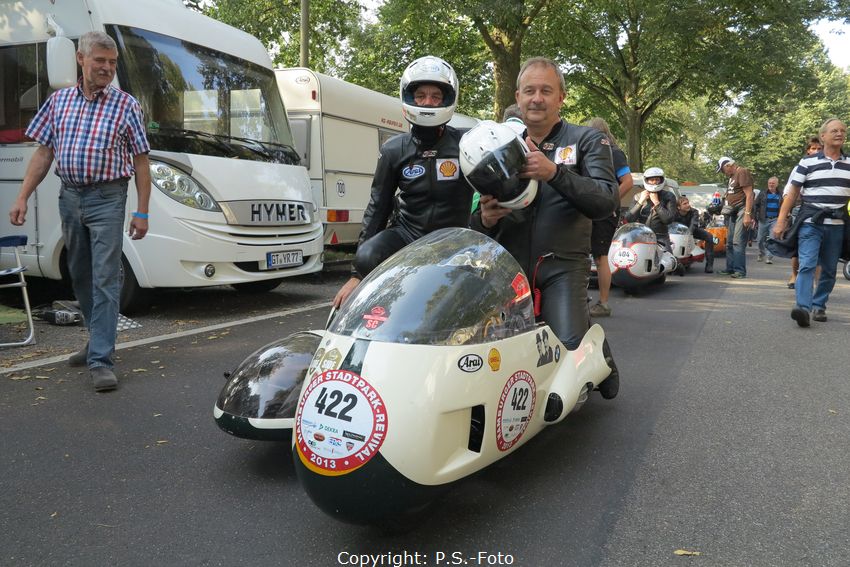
497 173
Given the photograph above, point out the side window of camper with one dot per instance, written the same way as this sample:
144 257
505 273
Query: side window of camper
301 135
384 135
23 88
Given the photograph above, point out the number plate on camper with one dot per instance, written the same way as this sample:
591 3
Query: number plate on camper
284 259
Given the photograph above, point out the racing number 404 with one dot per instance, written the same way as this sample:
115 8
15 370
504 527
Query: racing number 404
336 398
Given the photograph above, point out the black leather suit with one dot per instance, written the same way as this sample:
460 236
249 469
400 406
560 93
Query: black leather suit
657 218
432 194
691 220
551 237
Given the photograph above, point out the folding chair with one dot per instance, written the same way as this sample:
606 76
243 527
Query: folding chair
15 242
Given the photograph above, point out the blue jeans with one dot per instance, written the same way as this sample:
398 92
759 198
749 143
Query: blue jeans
93 229
764 231
817 244
736 243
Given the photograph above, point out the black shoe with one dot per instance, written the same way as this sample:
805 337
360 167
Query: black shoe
725 272
801 316
819 315
80 357
709 269
103 379
611 385
791 285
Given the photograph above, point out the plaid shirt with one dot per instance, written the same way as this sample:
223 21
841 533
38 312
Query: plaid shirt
92 140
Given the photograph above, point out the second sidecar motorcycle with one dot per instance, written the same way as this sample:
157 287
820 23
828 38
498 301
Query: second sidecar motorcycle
684 246
636 259
433 369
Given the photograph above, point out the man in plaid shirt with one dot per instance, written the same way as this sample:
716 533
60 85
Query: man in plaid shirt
96 134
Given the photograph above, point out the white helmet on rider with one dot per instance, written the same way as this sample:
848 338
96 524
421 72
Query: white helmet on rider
491 157
653 179
434 71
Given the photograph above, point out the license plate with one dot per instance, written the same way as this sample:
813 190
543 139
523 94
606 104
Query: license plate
284 259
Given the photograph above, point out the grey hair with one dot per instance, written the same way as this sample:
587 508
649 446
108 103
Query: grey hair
92 39
512 111
600 124
546 62
824 126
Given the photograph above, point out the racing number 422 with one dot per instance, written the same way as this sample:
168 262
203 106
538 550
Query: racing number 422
336 398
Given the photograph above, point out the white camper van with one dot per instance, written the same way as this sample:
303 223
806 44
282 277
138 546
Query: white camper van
230 203
339 128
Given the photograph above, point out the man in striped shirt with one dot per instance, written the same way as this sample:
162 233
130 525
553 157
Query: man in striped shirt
823 180
96 134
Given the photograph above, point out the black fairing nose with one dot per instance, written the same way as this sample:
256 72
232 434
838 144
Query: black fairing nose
266 385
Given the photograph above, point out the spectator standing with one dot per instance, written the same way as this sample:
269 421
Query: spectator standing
96 134
551 237
813 146
738 214
767 210
823 180
603 230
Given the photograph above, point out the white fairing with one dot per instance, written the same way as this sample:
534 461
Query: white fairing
635 258
436 363
684 247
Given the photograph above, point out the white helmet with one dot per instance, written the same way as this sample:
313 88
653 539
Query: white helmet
432 70
491 157
650 173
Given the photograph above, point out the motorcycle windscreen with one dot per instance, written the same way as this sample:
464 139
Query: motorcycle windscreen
677 228
452 287
634 233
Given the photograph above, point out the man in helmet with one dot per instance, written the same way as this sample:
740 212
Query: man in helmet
421 165
550 238
655 206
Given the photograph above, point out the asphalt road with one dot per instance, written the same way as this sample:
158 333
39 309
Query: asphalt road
729 439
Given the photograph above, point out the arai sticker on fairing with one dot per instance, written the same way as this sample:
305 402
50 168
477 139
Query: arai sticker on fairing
624 258
340 423
516 406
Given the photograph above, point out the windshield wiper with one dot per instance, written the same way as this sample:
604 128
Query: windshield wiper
274 150
213 139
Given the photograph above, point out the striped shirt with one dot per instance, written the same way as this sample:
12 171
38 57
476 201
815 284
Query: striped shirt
824 182
92 140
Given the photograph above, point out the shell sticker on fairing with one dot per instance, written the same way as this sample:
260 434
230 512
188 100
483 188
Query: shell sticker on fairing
340 424
624 258
447 169
494 359
375 317
516 406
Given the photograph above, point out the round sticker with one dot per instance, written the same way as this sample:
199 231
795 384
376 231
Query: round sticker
516 406
624 258
340 424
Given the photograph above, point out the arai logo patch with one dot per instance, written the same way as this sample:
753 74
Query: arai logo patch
413 171
470 363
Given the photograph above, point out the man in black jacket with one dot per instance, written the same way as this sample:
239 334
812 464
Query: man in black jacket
423 165
551 237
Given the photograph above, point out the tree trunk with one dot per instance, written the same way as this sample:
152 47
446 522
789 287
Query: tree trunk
506 68
634 126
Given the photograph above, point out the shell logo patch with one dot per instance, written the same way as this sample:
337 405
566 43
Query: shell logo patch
447 169
566 155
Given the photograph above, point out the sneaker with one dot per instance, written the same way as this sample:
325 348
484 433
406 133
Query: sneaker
79 358
599 309
103 379
768 260
760 258
801 316
725 272
819 315
738 276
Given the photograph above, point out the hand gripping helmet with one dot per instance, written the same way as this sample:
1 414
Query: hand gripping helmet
491 157
649 174
431 70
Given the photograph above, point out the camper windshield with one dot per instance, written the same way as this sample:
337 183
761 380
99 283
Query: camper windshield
452 287
201 101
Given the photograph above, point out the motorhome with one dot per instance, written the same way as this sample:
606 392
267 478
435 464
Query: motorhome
230 202
339 128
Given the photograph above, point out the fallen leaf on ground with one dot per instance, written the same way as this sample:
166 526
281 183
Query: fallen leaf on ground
40 398
686 552
162 441
54 514
140 370
832 411
19 377
157 414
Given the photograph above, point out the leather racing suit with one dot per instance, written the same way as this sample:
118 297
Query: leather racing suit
657 218
551 237
691 220
432 194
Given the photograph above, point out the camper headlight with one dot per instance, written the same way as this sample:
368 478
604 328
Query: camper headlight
181 187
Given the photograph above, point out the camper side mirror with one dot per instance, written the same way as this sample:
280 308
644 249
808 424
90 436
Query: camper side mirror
61 62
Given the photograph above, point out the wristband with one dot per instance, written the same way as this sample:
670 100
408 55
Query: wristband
748 213
139 215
